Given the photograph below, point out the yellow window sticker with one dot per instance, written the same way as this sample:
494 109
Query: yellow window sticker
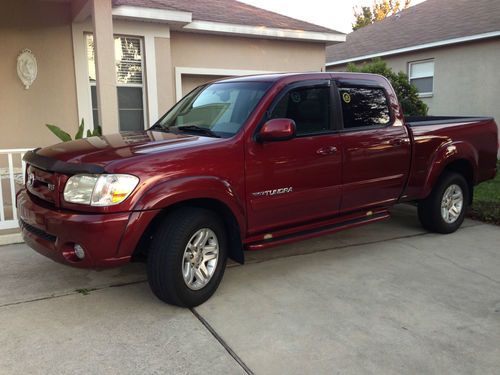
346 97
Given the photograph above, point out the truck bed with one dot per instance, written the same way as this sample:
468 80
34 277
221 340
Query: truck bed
442 120
432 136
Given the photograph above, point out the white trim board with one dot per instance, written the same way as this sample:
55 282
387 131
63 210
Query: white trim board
152 14
179 71
84 102
417 47
264 32
150 81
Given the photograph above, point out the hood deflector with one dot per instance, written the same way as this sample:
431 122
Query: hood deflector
54 165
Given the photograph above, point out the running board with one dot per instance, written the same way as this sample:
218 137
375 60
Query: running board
271 240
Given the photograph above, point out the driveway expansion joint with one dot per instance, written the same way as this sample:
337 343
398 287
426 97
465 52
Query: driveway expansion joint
467 269
73 292
214 333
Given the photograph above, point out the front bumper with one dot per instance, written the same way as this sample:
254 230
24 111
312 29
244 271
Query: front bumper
53 232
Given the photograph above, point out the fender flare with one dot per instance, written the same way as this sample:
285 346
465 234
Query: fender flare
171 192
446 154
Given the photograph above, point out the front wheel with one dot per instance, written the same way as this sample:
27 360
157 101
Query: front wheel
187 257
443 211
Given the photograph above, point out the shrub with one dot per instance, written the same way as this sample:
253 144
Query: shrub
405 91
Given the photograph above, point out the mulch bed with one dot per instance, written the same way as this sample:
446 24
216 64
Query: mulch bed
489 212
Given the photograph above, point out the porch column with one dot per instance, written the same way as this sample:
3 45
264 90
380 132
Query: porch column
104 46
164 74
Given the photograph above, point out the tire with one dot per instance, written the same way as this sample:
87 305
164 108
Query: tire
430 211
168 256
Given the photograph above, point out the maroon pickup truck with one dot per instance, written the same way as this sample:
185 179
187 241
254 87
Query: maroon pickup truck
246 164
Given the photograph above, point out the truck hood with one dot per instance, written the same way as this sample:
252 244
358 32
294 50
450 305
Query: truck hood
105 149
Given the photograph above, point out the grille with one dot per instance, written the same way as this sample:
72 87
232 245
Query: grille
42 184
37 232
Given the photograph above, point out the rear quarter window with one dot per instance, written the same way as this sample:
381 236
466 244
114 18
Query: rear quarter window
364 107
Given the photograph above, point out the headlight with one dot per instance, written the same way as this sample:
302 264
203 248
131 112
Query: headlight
79 189
99 190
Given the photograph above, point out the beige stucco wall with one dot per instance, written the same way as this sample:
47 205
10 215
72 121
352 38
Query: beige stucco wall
240 53
43 27
466 77
216 51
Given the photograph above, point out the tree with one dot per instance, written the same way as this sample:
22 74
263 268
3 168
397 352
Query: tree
364 17
378 11
407 93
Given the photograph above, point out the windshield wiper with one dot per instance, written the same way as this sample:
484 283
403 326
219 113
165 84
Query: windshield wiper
159 127
198 129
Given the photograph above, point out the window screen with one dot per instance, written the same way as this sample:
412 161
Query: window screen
130 108
422 76
309 107
364 107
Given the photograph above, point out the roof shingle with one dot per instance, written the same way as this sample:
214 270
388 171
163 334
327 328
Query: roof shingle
228 11
430 21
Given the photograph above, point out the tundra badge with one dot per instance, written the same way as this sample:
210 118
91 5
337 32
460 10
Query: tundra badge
268 193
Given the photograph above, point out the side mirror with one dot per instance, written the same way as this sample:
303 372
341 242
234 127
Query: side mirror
278 129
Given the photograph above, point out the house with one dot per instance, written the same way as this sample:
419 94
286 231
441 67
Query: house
450 50
122 63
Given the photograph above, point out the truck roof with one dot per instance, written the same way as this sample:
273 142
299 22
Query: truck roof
298 76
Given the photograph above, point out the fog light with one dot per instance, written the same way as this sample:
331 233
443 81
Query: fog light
79 252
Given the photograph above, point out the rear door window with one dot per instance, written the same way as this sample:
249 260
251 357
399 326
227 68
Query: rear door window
364 107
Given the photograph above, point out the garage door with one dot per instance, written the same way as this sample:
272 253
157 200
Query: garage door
190 81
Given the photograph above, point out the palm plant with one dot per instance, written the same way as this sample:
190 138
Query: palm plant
65 137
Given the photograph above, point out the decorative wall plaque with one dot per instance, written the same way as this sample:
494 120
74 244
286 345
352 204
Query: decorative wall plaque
27 69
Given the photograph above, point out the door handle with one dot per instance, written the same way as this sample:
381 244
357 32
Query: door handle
398 141
327 150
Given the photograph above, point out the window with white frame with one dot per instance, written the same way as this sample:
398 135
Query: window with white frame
129 81
421 74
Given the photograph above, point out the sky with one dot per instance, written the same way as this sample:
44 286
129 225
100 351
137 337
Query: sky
334 14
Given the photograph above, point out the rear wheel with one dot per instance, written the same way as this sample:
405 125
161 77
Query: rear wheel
187 257
443 211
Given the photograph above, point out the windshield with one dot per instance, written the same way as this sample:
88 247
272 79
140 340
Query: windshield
219 109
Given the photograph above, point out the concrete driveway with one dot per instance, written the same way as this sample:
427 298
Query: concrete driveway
384 299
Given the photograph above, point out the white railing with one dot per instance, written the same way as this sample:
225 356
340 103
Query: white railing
12 168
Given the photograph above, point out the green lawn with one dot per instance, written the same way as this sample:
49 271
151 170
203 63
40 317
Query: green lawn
486 205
